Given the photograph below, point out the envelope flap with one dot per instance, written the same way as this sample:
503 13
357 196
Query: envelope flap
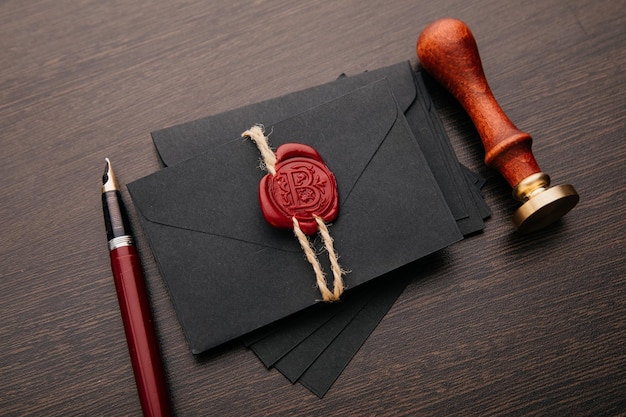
347 140
181 142
217 192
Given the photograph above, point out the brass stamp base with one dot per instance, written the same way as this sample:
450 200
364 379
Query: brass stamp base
545 208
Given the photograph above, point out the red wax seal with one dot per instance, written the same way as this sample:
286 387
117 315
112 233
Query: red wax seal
303 186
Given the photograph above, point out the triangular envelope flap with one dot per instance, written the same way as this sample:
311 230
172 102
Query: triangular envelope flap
180 142
217 192
347 132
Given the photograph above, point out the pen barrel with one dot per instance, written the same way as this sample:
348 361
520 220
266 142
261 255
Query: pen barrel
140 334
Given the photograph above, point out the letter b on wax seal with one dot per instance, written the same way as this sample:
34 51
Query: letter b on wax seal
303 187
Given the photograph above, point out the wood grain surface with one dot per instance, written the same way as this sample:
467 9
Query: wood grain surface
497 324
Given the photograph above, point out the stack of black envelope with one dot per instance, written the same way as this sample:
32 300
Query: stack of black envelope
231 276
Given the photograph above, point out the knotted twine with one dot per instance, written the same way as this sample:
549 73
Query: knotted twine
257 135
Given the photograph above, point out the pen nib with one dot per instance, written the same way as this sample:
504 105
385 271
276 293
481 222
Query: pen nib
108 178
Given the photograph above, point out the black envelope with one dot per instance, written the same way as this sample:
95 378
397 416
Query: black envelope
178 143
229 272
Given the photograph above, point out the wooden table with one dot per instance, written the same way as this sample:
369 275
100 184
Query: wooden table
498 324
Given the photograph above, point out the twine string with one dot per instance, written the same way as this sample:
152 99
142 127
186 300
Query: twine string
312 258
257 135
332 256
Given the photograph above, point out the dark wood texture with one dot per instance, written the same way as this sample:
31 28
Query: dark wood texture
496 324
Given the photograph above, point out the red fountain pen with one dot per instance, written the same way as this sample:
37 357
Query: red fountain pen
133 300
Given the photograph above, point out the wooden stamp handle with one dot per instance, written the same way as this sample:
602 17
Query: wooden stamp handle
447 50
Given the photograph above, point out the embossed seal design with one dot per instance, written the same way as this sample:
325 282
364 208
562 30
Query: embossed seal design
302 187
300 193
